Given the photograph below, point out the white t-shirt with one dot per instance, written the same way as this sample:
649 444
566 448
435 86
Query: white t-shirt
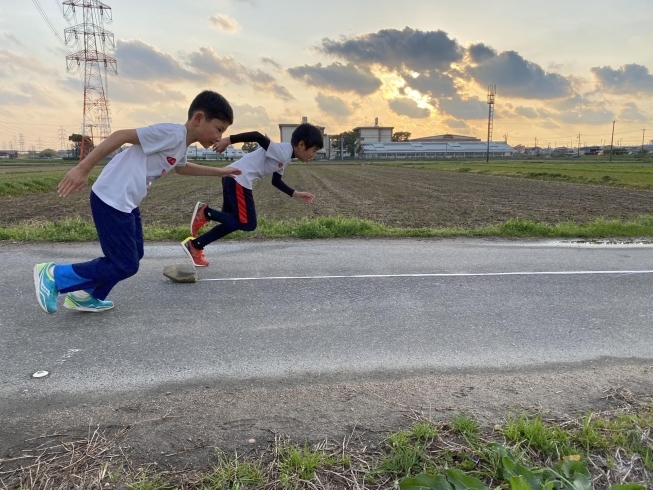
263 162
124 181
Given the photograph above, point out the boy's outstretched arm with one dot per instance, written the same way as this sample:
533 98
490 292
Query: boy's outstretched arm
250 137
283 187
202 170
77 177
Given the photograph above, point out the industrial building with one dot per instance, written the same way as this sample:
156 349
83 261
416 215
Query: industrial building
375 134
198 153
8 154
376 142
286 130
434 149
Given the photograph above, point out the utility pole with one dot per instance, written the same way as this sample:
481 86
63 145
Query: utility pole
491 94
643 132
612 140
342 147
505 138
579 144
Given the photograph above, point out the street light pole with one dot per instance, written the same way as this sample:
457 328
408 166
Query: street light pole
612 140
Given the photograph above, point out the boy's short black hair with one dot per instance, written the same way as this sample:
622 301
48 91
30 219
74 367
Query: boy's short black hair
213 105
309 134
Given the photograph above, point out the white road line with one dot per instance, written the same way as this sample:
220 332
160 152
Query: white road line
461 274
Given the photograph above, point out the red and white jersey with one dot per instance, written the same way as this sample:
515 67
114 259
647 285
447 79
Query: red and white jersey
124 181
259 163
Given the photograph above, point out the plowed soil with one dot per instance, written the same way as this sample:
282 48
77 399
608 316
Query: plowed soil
399 197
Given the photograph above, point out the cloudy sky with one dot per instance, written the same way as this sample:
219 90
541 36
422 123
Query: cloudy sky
561 67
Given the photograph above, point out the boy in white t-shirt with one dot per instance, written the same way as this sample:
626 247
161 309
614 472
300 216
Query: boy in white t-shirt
115 196
238 210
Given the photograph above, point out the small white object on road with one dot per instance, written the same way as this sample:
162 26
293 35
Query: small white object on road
40 374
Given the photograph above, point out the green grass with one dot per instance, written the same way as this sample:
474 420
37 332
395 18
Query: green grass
13 184
466 426
296 465
232 473
405 453
77 230
18 184
631 173
531 431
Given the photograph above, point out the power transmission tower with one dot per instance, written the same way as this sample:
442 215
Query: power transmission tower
95 40
21 142
579 145
491 94
62 137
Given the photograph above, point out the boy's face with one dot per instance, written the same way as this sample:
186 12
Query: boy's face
303 153
208 132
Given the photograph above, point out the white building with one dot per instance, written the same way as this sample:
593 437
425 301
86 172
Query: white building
434 149
199 153
286 130
374 134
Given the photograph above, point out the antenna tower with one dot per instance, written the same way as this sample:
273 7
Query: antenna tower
95 40
491 93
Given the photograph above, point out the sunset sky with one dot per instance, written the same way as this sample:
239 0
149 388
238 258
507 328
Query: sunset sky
561 67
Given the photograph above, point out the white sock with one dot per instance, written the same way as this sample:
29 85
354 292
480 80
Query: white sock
81 295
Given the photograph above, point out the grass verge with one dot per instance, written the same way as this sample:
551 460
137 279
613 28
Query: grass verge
77 230
528 451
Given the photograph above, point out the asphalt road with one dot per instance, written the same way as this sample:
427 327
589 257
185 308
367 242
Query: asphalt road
290 319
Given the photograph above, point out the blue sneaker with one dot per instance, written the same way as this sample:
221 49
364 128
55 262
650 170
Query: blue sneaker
46 288
91 304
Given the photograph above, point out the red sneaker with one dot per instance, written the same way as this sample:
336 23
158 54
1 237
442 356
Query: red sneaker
195 254
198 219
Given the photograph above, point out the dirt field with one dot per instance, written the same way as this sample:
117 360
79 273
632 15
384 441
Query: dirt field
395 196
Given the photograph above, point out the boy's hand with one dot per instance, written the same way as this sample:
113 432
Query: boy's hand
76 179
230 171
306 197
222 145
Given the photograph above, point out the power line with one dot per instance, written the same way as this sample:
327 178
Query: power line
47 21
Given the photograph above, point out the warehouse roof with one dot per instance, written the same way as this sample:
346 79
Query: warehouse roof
439 146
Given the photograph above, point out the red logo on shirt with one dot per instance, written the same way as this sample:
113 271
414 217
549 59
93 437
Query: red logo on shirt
171 160
280 165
